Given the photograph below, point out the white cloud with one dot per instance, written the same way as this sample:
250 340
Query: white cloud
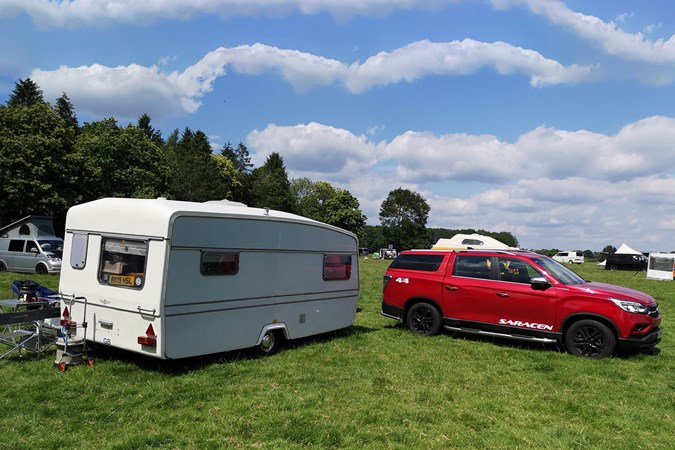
314 150
76 13
123 92
551 188
136 89
641 148
424 58
611 38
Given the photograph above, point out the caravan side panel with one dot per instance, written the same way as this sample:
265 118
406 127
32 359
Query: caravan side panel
279 280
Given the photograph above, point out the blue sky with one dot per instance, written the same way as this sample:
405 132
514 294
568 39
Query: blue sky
554 120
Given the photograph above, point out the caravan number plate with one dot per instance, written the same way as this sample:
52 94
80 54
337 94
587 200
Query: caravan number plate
123 280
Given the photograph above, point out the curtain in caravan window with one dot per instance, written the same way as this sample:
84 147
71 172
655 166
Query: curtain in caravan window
219 263
337 267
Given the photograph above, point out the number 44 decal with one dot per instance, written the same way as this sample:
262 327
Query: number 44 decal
402 280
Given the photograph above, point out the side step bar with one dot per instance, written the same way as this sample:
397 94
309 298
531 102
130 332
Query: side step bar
518 337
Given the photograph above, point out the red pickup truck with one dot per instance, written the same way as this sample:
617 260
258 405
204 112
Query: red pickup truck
520 295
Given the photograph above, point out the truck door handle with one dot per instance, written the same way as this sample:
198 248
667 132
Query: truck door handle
452 288
502 294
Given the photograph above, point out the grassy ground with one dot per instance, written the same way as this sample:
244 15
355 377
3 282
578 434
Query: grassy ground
374 385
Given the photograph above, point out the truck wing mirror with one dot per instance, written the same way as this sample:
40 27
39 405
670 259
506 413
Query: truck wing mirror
540 283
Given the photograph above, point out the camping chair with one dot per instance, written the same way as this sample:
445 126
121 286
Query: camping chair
27 325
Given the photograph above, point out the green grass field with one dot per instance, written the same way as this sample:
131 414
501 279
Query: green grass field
374 385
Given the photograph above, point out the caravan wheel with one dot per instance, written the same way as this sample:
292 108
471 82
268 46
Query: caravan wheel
270 343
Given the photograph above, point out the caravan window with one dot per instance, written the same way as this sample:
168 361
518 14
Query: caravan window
219 263
123 263
337 267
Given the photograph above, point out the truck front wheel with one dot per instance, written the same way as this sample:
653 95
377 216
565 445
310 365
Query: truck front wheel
590 339
424 319
41 269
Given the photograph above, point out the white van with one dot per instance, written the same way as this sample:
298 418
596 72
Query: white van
569 257
173 279
29 245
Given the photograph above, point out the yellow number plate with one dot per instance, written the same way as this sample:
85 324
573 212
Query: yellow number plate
123 280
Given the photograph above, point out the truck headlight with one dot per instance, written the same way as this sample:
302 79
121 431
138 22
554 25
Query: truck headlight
630 306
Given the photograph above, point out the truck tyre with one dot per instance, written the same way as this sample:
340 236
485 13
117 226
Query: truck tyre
424 319
41 269
2 267
590 339
612 267
269 344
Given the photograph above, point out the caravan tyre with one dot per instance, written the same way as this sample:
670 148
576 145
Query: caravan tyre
270 343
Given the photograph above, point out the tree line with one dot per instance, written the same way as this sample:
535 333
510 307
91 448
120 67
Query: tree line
49 162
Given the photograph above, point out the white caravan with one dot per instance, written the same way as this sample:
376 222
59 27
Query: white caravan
173 279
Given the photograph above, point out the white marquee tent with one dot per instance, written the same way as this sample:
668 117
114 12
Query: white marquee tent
661 266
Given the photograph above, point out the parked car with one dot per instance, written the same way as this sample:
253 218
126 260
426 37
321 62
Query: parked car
29 245
618 261
569 257
519 295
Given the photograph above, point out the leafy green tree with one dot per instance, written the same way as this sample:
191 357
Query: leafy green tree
343 210
321 201
271 188
609 250
65 110
404 215
241 185
230 177
311 197
38 167
26 93
194 173
121 162
239 157
372 237
154 135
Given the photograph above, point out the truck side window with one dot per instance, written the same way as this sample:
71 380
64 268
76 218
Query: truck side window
219 263
337 267
123 263
471 266
515 270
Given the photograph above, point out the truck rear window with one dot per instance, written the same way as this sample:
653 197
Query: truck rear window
425 263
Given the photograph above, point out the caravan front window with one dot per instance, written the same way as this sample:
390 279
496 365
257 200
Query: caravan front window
123 263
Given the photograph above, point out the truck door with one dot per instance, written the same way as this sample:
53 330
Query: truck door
517 303
469 293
